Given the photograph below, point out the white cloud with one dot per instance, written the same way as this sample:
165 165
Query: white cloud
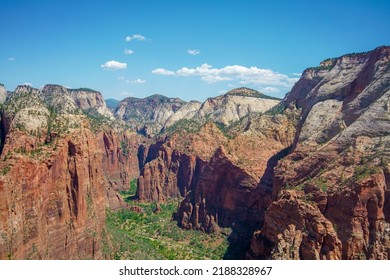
161 71
137 37
114 65
270 90
296 74
193 52
11 59
121 78
128 52
28 84
241 74
138 81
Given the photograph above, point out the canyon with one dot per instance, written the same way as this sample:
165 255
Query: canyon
306 177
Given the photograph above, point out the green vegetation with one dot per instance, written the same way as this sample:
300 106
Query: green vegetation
363 171
247 92
299 187
150 235
5 170
97 120
277 109
125 149
129 194
50 121
224 129
84 89
321 67
321 184
158 97
190 126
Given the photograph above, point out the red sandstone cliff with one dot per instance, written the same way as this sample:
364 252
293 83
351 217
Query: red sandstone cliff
52 202
120 162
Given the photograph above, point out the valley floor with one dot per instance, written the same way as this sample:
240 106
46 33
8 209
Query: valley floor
155 235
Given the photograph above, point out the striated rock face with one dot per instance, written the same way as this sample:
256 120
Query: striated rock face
53 188
3 93
339 163
52 201
295 230
186 112
171 166
120 163
157 113
170 175
223 195
234 105
90 99
147 115
68 100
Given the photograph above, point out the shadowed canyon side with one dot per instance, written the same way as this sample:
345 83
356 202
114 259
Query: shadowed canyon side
332 191
120 162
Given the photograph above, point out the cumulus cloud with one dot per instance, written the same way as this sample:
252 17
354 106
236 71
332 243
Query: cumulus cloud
138 81
114 65
11 59
269 90
161 71
128 52
137 37
193 52
241 74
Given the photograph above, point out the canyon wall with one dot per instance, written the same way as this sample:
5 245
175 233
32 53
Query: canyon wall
331 192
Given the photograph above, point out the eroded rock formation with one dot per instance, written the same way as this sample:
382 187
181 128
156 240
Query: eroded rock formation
339 163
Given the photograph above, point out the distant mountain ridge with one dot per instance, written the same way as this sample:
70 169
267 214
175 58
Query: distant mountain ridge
155 113
111 104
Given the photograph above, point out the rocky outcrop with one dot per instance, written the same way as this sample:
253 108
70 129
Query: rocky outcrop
3 93
52 200
295 230
157 113
234 105
52 182
87 99
222 196
339 160
170 168
171 175
147 115
186 112
120 162
69 100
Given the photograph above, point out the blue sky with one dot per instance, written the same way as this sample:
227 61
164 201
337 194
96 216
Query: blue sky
192 49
